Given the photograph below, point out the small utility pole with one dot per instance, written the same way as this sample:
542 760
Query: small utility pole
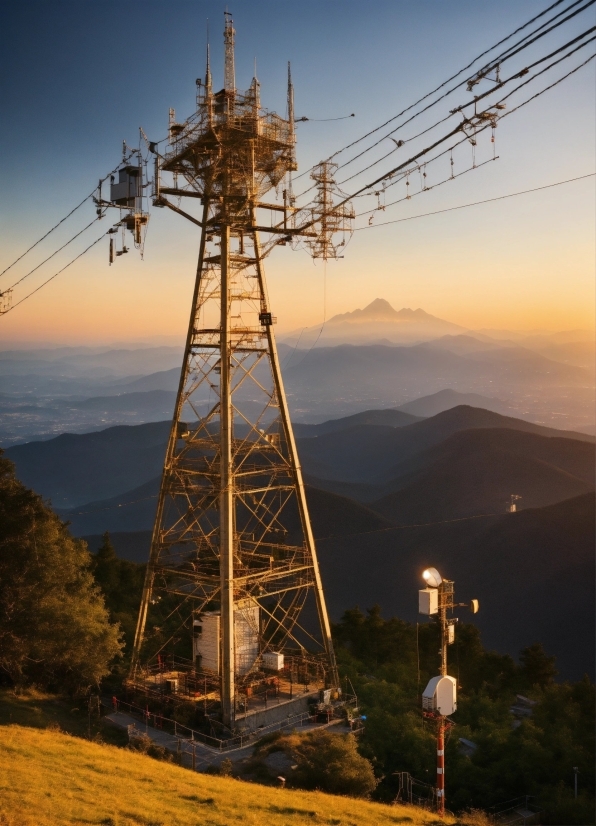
439 698
575 773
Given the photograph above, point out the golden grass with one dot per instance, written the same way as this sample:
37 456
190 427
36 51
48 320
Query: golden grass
38 709
50 778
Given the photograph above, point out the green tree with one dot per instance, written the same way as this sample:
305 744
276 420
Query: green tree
331 762
54 627
106 567
121 583
537 667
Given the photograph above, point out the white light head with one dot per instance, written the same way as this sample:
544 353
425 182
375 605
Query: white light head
432 577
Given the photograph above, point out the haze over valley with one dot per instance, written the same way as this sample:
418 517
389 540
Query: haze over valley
372 358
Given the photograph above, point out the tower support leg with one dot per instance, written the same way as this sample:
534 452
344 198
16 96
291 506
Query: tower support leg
333 677
226 502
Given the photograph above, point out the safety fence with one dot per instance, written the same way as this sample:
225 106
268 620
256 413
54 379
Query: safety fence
158 721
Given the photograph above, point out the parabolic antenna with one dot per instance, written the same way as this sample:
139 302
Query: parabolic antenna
432 577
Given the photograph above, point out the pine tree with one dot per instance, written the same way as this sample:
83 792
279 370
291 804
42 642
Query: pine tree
105 566
54 627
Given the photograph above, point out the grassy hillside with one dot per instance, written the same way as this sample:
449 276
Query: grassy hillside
47 777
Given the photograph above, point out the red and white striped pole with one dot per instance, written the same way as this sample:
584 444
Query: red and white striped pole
441 766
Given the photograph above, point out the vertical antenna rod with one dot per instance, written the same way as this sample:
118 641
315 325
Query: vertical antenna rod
229 73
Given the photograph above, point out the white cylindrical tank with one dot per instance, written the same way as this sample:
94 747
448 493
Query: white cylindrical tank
206 641
206 638
246 636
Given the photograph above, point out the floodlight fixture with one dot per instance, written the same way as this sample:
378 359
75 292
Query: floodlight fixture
432 577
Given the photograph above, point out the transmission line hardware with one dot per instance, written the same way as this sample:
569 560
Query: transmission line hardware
127 190
233 616
5 301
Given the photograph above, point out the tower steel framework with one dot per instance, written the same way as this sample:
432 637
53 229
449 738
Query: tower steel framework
232 546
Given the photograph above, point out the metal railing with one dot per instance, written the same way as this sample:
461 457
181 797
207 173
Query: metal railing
518 811
182 732
415 792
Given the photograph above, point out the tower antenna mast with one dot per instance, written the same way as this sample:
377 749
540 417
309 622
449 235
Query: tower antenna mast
439 698
233 605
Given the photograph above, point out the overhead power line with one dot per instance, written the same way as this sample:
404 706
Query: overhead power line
516 48
453 77
458 129
477 203
56 274
49 232
74 237
477 98
62 220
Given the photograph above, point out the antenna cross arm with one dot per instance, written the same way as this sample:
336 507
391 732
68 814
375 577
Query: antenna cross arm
281 231
167 190
164 202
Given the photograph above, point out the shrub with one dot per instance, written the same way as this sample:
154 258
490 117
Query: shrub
330 762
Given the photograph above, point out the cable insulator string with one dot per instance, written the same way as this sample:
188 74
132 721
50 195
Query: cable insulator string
476 203
453 77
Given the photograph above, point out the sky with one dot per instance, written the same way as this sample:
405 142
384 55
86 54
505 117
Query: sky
79 77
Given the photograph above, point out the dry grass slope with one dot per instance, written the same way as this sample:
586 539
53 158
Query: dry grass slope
47 777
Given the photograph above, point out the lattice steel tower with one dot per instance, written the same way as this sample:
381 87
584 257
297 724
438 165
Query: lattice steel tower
233 558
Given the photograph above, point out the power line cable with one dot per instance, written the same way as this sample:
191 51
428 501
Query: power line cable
547 88
428 188
453 77
521 46
49 232
485 69
480 97
450 134
477 203
53 254
453 132
513 50
526 69
56 274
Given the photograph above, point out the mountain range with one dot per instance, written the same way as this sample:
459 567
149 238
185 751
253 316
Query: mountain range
462 461
378 322
387 358
400 493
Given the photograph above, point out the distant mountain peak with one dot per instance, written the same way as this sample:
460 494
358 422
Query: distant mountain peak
380 308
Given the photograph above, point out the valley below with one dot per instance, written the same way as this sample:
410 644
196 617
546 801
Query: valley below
389 494
421 365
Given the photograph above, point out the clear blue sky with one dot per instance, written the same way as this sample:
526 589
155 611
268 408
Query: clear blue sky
78 77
